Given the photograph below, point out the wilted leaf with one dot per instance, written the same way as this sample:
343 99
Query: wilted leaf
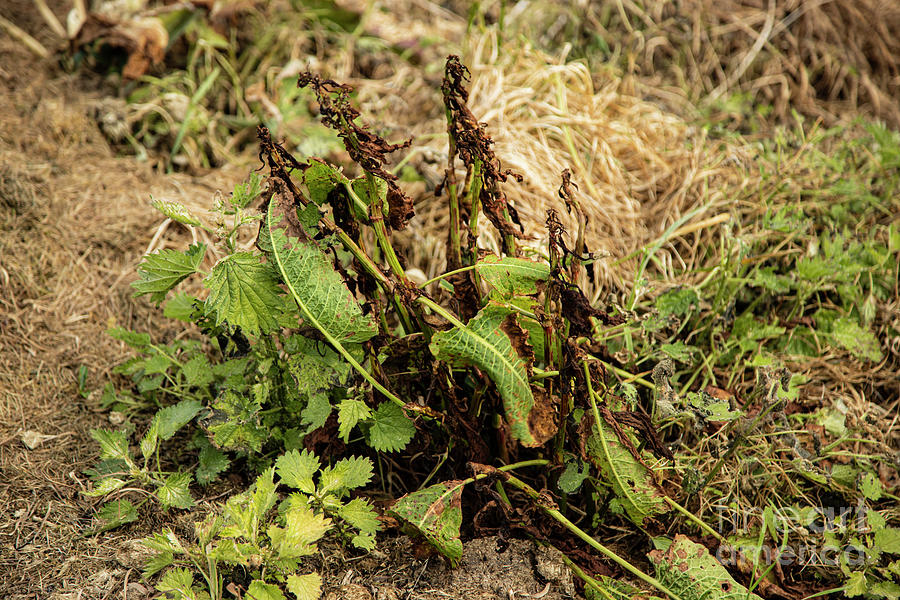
436 513
483 343
511 276
636 491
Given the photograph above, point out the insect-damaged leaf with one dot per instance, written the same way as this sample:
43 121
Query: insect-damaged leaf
323 298
436 513
486 342
633 484
688 569
512 276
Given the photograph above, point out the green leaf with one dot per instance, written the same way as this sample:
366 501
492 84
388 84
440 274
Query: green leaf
212 462
391 430
888 540
175 492
235 422
198 372
180 307
157 563
105 486
360 514
679 351
513 276
316 412
323 298
177 580
321 179
709 408
436 513
483 343
870 486
138 341
248 191
260 590
346 474
351 412
113 445
633 484
861 342
572 477
296 469
115 514
245 293
163 270
678 302
172 418
305 587
689 570
175 211
302 529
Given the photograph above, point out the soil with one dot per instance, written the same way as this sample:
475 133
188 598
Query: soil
75 220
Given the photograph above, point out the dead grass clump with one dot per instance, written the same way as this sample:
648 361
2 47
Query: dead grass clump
639 169
826 59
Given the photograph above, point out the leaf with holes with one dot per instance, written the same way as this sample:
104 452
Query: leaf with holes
511 276
485 343
688 569
436 513
636 491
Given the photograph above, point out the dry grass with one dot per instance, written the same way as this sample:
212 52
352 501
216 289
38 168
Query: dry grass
827 59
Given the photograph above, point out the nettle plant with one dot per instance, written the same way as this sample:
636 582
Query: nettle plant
318 338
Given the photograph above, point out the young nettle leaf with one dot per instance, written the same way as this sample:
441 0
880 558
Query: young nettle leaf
351 412
113 445
861 342
172 418
572 477
180 307
678 302
485 343
105 486
260 590
198 372
359 513
323 298
688 568
302 529
511 276
346 474
175 492
115 514
636 491
138 341
244 292
247 192
390 430
163 270
175 211
235 422
296 469
436 513
179 581
305 587
212 462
